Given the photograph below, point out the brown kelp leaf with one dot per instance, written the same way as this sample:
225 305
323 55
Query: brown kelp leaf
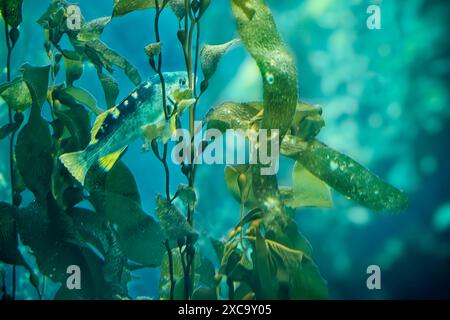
173 222
140 235
231 115
71 95
110 58
33 153
74 67
11 11
16 95
307 121
289 254
245 191
91 226
93 29
37 81
204 5
154 49
267 286
351 179
259 33
178 7
308 190
119 180
53 256
110 88
95 230
76 119
211 55
9 243
116 192
122 7
54 21
187 195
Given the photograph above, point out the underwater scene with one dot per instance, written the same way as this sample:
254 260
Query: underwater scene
224 150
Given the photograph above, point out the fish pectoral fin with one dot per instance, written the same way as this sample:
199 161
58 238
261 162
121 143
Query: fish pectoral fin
107 162
168 129
162 129
151 131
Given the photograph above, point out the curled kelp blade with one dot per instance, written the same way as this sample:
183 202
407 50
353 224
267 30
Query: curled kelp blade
339 171
348 177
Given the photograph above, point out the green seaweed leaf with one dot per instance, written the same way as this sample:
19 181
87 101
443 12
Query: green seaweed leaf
37 80
16 95
110 88
93 29
259 33
351 179
241 192
33 153
76 119
115 193
110 58
308 190
74 67
173 222
9 243
72 95
122 7
187 195
54 255
210 57
11 11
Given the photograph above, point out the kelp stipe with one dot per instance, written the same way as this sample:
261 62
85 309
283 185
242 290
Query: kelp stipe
264 256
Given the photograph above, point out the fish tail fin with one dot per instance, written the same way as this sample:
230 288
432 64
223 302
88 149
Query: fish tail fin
77 163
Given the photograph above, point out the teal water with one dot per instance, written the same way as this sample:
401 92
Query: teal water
385 99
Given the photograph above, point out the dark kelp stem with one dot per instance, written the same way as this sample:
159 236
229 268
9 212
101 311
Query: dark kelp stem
163 159
170 257
185 36
11 140
158 70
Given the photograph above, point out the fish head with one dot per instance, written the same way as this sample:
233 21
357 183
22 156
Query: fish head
176 81
177 88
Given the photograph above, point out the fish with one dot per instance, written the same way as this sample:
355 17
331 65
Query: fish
114 129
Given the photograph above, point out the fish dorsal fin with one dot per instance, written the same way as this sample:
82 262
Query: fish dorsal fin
97 125
107 162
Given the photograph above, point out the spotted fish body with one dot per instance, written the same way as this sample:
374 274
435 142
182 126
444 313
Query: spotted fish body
117 127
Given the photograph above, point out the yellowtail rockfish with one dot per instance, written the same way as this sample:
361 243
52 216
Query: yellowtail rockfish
116 128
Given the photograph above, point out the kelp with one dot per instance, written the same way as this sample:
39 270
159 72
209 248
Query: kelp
265 256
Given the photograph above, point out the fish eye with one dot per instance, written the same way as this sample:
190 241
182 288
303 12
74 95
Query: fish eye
182 82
